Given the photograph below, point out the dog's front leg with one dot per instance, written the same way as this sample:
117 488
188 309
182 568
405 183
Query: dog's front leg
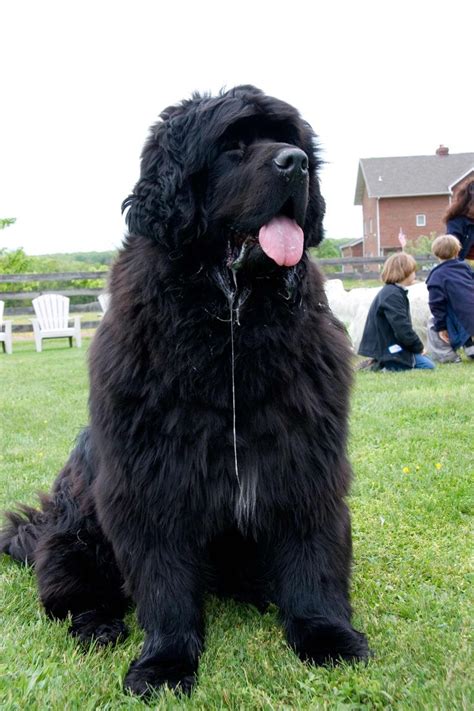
165 584
311 575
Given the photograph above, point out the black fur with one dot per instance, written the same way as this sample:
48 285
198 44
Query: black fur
158 503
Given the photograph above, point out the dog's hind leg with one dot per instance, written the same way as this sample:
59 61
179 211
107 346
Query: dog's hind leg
74 565
77 574
74 562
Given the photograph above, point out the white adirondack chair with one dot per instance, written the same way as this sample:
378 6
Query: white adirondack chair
52 320
5 331
104 301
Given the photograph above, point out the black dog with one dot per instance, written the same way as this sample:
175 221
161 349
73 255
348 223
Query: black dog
215 459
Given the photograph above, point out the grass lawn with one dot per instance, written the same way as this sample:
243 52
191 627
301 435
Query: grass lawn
411 448
22 319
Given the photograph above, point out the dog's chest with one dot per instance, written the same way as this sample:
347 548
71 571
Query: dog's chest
246 499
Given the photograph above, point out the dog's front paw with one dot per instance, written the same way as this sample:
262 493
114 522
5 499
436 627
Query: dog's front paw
94 626
322 641
146 676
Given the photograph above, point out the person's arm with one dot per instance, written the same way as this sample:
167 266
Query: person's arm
456 228
397 313
460 292
438 306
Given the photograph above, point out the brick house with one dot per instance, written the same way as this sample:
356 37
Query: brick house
352 249
407 192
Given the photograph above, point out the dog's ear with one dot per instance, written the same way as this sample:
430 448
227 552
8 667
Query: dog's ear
162 203
314 232
165 204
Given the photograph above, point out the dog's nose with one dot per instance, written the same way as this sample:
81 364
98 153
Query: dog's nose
291 161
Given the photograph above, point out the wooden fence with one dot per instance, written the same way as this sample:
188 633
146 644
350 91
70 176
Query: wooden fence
66 288
65 277
362 268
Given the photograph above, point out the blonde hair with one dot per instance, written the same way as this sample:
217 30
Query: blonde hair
398 267
446 247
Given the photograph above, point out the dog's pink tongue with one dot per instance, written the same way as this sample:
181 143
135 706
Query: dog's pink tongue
282 240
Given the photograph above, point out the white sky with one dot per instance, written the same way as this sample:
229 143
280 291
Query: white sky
81 81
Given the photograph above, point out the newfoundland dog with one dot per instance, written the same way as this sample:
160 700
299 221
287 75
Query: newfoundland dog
215 458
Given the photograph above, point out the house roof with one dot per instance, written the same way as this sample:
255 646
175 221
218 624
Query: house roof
353 243
405 176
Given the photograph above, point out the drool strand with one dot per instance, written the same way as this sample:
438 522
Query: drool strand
234 419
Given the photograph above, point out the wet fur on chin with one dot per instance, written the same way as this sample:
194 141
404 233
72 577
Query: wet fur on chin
150 508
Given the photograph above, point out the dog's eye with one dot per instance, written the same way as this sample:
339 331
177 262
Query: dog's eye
234 147
233 156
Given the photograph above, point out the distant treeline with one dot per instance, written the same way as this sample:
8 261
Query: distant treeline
96 258
18 262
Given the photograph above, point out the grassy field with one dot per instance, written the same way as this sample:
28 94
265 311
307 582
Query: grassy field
22 319
411 447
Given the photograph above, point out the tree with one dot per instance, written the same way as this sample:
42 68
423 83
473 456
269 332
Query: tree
6 222
420 245
14 262
328 249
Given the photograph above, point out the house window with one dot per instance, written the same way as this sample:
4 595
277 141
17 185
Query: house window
421 220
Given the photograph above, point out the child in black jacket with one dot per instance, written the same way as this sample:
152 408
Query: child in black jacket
389 338
451 295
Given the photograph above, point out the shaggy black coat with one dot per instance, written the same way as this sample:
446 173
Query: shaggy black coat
215 459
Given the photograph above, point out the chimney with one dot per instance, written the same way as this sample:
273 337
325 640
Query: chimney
442 150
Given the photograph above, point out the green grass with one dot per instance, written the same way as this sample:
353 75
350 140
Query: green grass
410 584
360 283
22 319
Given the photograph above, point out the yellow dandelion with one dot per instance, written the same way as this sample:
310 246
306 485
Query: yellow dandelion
406 470
438 465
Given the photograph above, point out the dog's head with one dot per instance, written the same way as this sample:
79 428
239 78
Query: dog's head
234 174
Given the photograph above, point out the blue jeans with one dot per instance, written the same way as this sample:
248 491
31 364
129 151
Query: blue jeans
456 331
422 362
